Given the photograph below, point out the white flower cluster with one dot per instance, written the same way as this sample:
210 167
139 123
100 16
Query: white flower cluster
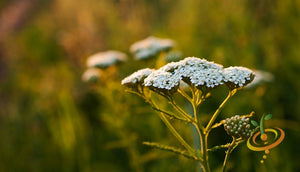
198 72
162 80
137 77
194 70
239 76
105 59
208 77
91 74
150 46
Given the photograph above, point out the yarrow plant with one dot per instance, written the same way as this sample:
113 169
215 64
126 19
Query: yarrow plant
201 76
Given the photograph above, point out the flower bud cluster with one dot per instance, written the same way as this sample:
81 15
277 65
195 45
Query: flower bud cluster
238 127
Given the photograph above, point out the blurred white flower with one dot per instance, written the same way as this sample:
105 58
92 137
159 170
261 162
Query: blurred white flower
260 77
91 75
150 47
105 59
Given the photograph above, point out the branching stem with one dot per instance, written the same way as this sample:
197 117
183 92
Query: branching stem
184 94
182 112
231 147
215 115
175 133
201 153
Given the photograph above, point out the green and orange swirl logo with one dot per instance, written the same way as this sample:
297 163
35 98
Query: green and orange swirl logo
265 139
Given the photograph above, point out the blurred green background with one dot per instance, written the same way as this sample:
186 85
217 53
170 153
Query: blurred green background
51 121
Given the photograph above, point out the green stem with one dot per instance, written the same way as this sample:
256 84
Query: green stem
215 115
231 147
182 112
161 60
195 106
219 147
204 149
175 133
169 114
261 124
200 129
184 94
199 97
170 127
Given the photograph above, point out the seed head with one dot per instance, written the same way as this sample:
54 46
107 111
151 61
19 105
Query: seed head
238 127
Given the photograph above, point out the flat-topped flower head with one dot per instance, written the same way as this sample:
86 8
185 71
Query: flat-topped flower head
191 70
189 65
106 59
198 72
150 47
208 77
171 67
236 77
200 63
203 74
162 81
137 78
